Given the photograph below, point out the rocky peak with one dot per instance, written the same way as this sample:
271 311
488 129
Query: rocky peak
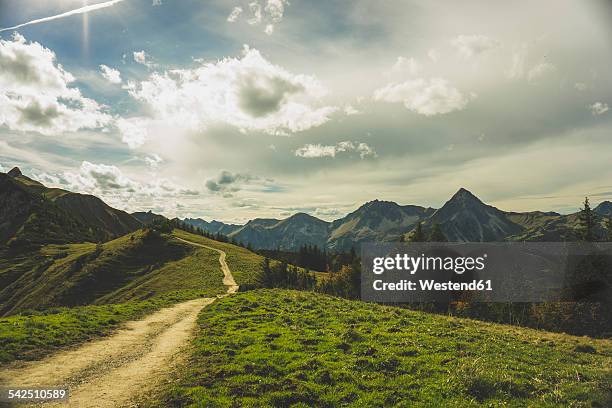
15 172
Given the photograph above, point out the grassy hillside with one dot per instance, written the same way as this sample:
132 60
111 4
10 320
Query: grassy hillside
35 334
285 348
134 267
33 214
109 283
245 265
29 218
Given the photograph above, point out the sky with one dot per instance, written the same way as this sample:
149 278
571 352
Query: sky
233 110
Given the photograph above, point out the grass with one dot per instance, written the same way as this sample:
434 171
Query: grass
121 280
244 264
33 335
285 348
136 266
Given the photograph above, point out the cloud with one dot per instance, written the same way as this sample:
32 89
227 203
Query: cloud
349 110
35 92
109 182
227 182
153 161
99 177
249 93
276 9
473 45
598 108
81 10
257 16
133 131
141 57
311 151
233 16
110 74
409 65
540 70
424 96
156 3
269 13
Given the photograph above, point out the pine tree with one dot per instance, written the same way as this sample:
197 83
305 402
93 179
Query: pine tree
418 235
436 234
588 220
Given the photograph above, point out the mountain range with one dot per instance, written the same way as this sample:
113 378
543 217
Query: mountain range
463 218
33 213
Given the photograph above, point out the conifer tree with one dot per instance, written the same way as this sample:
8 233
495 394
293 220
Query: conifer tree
418 235
588 219
436 234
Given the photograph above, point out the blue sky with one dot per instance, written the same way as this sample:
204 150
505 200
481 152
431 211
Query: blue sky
241 109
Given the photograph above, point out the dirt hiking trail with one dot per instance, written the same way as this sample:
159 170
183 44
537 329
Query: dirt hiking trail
118 370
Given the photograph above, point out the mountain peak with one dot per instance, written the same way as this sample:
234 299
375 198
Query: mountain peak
604 208
465 195
15 172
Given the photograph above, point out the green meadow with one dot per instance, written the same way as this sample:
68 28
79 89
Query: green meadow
285 348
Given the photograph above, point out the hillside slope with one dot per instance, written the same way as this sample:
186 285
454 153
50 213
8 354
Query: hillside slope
27 217
284 348
34 214
137 266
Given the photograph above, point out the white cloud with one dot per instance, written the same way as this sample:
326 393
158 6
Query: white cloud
473 45
269 12
249 93
349 110
141 57
110 74
311 151
598 108
233 16
424 96
133 131
540 70
153 160
257 16
103 177
276 9
111 184
156 3
35 92
409 65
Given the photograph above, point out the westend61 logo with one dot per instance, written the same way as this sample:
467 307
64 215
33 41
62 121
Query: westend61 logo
483 272
411 264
